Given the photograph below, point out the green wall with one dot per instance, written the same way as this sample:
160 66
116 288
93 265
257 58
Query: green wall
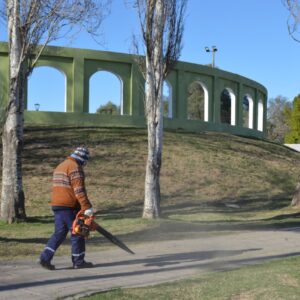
79 65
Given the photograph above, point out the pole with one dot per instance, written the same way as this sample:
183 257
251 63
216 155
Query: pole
213 50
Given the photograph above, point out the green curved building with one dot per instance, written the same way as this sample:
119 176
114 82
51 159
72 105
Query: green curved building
200 98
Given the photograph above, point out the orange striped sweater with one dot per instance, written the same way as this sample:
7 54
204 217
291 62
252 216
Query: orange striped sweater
68 187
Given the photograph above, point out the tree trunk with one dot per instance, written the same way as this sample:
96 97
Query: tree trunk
152 185
296 197
162 28
154 113
12 196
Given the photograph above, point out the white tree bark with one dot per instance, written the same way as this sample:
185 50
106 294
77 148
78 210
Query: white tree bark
154 112
12 195
155 143
31 23
162 29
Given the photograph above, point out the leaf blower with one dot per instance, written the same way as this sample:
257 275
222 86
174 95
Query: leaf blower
84 224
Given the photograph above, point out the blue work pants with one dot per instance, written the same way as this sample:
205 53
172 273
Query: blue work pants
63 224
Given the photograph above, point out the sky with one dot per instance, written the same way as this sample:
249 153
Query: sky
251 37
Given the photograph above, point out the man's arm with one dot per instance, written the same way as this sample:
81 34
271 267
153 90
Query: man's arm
78 185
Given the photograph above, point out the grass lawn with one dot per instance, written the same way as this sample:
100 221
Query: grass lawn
211 183
277 280
198 169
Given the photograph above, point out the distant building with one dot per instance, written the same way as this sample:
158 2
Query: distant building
293 146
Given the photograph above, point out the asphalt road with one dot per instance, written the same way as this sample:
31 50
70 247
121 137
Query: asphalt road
153 263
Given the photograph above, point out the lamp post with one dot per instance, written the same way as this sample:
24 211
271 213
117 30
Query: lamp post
212 50
37 106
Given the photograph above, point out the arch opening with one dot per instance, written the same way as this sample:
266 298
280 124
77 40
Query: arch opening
227 109
47 90
102 100
197 102
167 100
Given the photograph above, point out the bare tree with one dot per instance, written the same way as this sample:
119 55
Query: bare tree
294 18
162 29
279 110
31 25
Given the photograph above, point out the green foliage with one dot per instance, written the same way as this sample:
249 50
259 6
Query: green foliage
279 110
293 116
195 109
108 109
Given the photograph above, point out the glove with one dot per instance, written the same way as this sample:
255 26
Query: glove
89 212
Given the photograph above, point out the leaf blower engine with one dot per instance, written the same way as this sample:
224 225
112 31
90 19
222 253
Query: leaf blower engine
83 224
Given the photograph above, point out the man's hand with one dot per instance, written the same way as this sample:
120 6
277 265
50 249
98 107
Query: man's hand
89 212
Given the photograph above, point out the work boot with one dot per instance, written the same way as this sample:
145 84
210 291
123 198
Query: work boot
84 265
47 265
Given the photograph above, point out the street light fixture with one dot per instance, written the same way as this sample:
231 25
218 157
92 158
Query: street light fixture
212 50
37 106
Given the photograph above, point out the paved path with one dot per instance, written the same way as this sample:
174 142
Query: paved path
153 263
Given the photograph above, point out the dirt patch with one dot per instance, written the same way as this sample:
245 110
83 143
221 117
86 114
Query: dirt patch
288 280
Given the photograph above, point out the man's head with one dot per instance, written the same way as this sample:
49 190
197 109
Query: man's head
81 154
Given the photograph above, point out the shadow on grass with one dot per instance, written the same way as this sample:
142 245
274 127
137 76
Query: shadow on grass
24 240
244 204
285 217
168 228
40 220
256 203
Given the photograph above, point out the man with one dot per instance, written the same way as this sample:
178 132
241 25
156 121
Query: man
68 197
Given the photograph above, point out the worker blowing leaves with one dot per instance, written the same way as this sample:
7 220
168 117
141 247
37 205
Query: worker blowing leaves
68 198
73 212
